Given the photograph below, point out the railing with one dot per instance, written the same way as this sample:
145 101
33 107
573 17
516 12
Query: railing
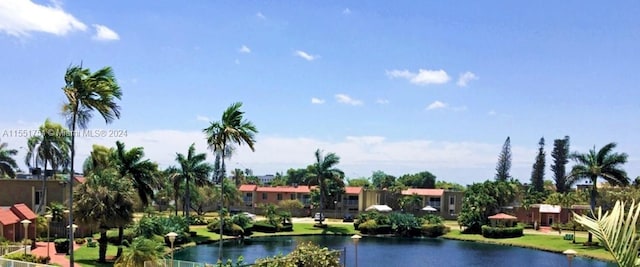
5 250
351 202
12 263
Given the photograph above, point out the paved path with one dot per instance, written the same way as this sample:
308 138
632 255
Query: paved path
59 258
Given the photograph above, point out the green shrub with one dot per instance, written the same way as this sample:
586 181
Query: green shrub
404 224
151 225
287 227
434 230
197 220
432 219
80 241
112 236
368 227
229 228
264 226
61 245
28 258
501 232
305 254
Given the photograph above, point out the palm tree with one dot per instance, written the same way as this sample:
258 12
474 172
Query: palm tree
322 171
192 169
600 164
104 201
141 250
86 92
231 129
238 176
51 146
7 163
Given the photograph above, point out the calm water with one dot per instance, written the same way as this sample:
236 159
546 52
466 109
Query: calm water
392 252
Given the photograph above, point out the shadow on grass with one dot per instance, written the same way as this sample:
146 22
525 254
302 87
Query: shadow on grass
335 230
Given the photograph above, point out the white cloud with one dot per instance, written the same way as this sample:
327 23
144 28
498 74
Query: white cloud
437 105
20 17
345 99
103 33
244 49
346 11
423 77
315 100
203 118
465 78
260 15
305 55
382 101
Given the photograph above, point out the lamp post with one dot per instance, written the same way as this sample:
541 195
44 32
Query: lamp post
355 239
570 255
25 223
172 238
72 229
48 216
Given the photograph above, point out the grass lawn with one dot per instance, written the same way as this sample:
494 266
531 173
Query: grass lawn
553 243
87 256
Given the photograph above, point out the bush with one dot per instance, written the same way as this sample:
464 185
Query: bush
80 241
61 245
28 258
404 224
151 225
368 227
197 220
434 230
501 232
229 228
264 226
112 236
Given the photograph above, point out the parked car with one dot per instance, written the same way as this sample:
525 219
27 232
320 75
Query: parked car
347 218
250 215
318 217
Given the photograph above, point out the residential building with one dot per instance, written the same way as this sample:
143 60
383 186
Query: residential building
30 192
266 179
547 215
11 227
447 203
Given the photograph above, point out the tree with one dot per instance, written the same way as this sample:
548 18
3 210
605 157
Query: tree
600 164
296 176
7 163
104 201
192 168
141 250
141 172
483 200
231 129
537 175
381 180
50 146
617 231
322 171
359 182
238 176
423 179
560 155
86 92
410 203
450 186
504 162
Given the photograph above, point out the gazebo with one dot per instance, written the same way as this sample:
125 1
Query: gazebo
502 220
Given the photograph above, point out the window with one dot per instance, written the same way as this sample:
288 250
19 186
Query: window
264 196
292 197
452 201
279 196
38 198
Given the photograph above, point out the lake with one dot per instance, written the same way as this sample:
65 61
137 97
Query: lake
375 251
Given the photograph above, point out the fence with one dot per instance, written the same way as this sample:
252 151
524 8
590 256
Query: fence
12 263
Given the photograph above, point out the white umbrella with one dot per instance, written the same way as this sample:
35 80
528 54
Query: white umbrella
379 208
429 208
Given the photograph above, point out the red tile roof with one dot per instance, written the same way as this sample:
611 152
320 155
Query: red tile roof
284 189
81 179
7 217
247 188
424 192
23 212
353 190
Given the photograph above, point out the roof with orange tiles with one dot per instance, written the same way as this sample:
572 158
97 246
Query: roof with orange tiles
423 192
247 188
7 217
352 190
23 212
284 189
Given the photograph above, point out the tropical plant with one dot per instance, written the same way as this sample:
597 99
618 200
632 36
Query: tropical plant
56 209
141 250
51 146
230 193
86 92
411 202
192 169
560 155
131 165
231 129
7 163
617 231
322 171
104 201
305 254
483 200
600 164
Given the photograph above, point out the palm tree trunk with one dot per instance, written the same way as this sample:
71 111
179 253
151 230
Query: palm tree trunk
187 204
120 237
221 181
321 202
175 203
43 201
592 202
71 178
102 244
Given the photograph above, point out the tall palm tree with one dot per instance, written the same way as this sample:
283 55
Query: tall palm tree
86 92
231 129
600 164
104 201
192 168
323 170
7 163
141 250
51 146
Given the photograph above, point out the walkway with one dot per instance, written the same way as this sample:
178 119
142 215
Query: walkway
58 258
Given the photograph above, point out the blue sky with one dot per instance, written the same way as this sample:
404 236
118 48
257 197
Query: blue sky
401 86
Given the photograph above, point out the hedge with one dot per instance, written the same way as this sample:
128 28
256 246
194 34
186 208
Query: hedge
434 230
501 232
